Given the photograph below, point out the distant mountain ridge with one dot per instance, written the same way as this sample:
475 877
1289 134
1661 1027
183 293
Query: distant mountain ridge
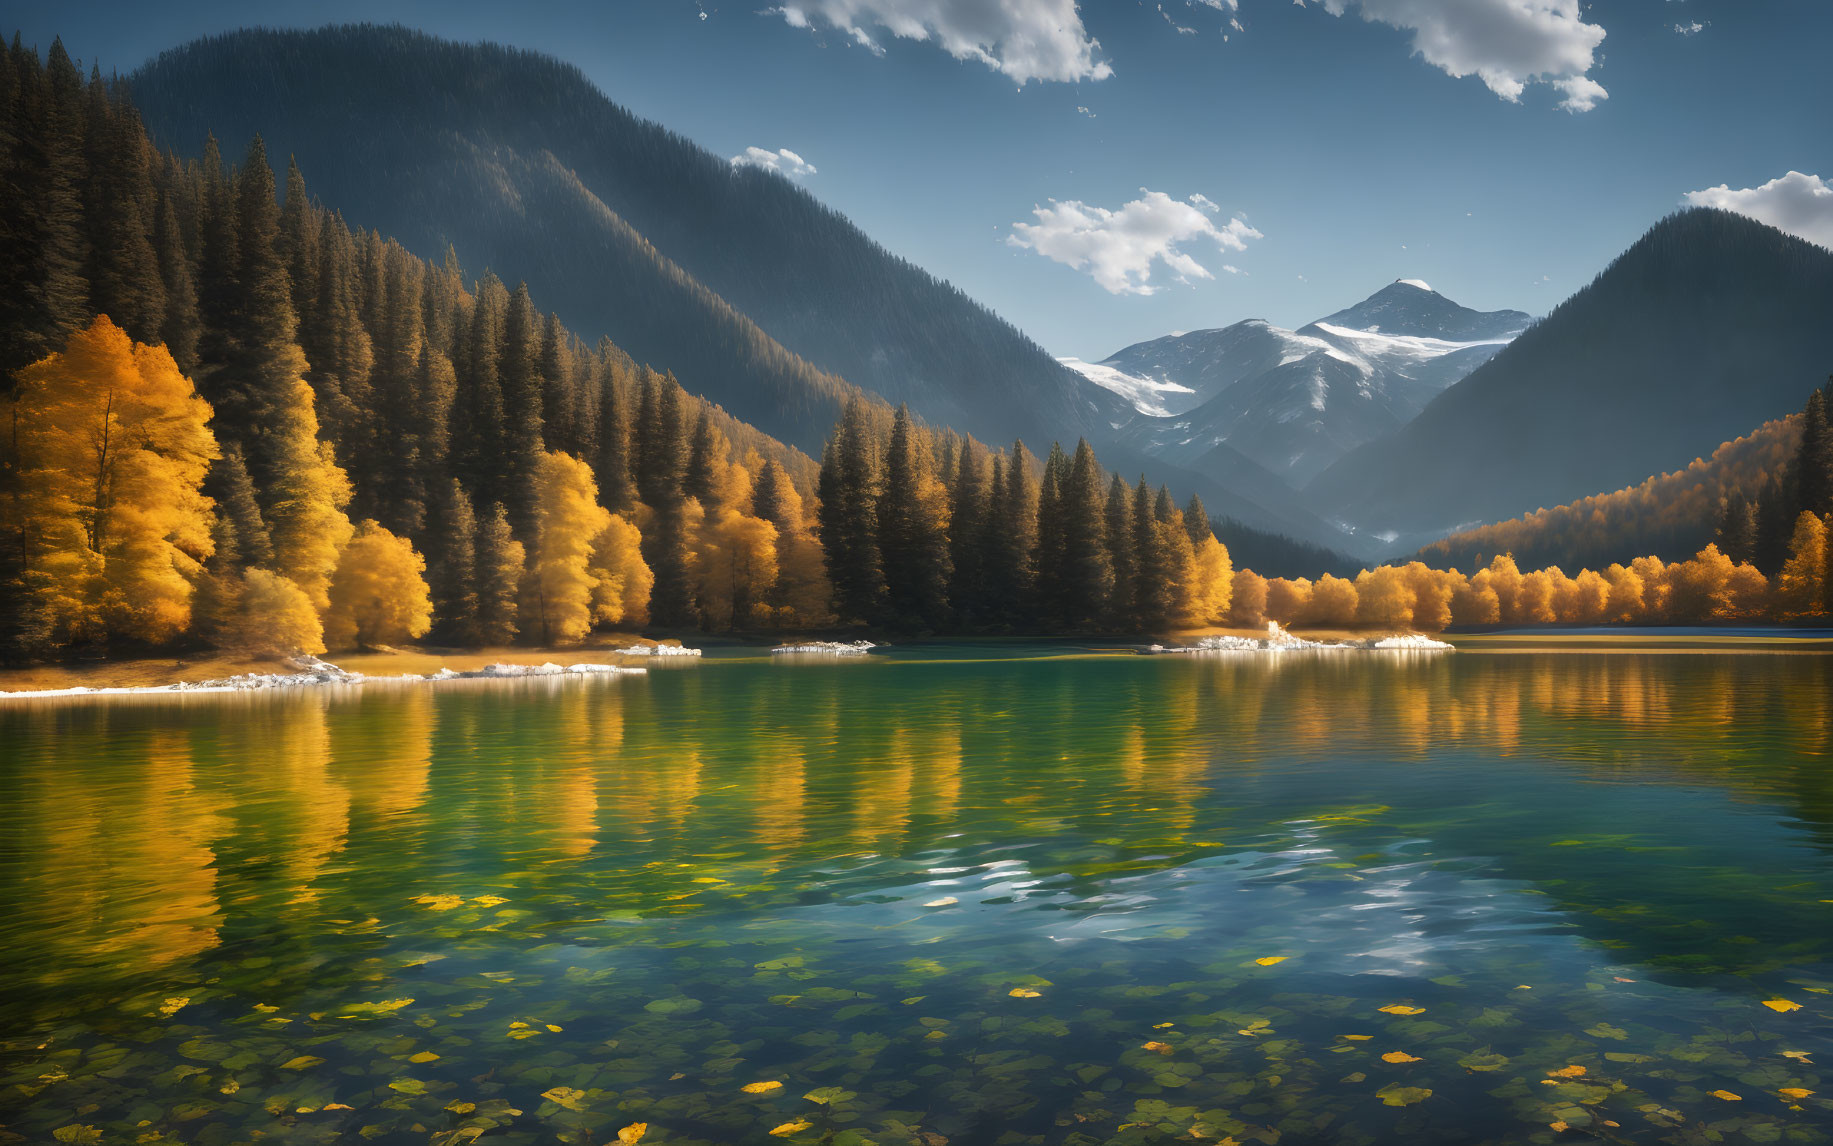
1293 402
752 292
525 167
1709 324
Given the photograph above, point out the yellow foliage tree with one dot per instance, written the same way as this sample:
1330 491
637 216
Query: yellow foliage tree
1652 572
1589 601
622 581
736 559
556 602
1503 577
1247 607
379 594
274 617
111 447
1801 586
1333 602
1705 588
1287 600
306 500
1384 598
802 595
1534 601
1474 602
1626 590
1211 584
1433 592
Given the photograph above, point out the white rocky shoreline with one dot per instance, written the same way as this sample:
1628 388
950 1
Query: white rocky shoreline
1279 640
826 648
309 671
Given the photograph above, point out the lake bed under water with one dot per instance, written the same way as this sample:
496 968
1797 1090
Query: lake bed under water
981 894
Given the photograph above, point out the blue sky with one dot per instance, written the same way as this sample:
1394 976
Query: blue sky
1318 149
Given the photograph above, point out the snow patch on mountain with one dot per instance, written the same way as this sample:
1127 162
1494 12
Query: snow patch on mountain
1420 283
1372 343
1146 394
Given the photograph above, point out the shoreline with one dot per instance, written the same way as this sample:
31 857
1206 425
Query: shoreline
162 673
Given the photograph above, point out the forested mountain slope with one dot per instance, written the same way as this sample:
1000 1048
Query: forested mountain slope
1670 516
1710 324
629 230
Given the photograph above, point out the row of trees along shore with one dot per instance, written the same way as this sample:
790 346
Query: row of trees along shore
231 419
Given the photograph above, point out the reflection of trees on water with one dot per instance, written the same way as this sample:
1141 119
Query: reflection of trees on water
146 833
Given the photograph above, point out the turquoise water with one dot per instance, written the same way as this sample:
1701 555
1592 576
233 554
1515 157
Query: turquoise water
986 894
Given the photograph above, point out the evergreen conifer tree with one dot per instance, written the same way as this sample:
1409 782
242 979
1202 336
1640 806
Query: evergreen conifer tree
913 531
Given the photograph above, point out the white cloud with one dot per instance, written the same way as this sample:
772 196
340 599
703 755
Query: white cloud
782 161
1508 44
1800 204
1119 247
1693 29
1022 39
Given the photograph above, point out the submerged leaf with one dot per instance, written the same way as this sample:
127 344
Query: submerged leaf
633 1133
1781 1006
1402 1095
1402 1009
788 1128
1269 960
439 902
1024 993
761 1087
303 1062
1157 1047
566 1096
1727 1096
1399 1056
1794 1092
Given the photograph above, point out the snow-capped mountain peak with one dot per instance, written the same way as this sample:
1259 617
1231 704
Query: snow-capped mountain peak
1296 400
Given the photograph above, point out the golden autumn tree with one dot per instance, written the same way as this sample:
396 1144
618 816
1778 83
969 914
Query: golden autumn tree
621 580
1211 584
273 617
1801 586
1433 592
802 595
1247 606
1384 598
1333 602
737 563
556 605
111 447
1589 601
379 594
1503 578
1625 602
1475 602
1652 572
1287 599
1698 589
305 501
1534 600
735 552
